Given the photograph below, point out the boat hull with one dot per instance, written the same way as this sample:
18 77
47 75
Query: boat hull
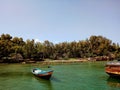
113 69
113 74
43 74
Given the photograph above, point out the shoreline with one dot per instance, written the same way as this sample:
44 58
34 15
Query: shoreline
65 61
50 61
62 61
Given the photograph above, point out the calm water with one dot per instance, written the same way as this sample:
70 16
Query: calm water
82 76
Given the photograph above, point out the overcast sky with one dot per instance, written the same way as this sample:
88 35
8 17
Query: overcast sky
60 20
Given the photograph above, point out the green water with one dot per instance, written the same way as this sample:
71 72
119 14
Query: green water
82 76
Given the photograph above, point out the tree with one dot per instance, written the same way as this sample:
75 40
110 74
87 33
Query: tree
18 44
48 49
6 37
29 49
5 45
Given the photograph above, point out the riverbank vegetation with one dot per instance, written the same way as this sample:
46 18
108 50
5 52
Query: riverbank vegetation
15 49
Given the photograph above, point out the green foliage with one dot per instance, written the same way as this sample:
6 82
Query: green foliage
91 47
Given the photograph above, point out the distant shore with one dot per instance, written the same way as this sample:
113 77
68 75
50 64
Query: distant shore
50 61
65 61
73 60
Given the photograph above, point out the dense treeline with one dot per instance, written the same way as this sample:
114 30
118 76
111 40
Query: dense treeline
96 46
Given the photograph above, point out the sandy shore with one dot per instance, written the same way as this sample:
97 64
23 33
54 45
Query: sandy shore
62 61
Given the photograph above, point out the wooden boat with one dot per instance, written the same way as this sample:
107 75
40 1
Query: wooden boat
42 74
113 69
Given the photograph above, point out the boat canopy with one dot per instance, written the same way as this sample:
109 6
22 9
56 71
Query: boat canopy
113 63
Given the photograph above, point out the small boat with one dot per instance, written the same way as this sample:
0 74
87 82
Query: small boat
113 68
42 74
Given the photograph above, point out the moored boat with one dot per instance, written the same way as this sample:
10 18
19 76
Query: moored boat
113 69
42 74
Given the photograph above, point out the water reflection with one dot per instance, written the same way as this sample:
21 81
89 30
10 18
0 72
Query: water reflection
44 82
113 82
14 74
53 78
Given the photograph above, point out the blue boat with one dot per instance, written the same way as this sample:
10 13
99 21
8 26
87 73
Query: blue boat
42 73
